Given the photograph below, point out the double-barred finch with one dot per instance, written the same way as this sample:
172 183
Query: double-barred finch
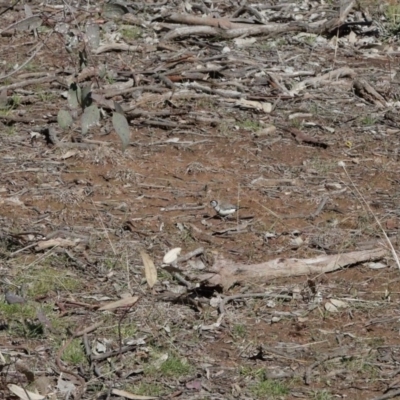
223 209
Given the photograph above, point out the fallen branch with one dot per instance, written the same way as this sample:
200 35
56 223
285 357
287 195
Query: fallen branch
227 273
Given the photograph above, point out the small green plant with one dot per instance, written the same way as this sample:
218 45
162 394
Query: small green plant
44 279
82 97
32 67
258 373
321 395
127 329
393 16
17 311
368 120
21 320
295 123
310 39
265 45
109 78
146 389
15 100
175 366
73 353
225 128
269 389
250 125
376 342
46 97
10 131
130 32
281 42
239 330
321 166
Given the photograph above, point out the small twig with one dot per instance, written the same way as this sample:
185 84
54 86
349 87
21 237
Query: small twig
23 64
10 7
13 254
124 314
113 353
308 372
86 344
227 299
343 165
321 206
78 263
183 208
182 280
66 371
387 396
89 329
105 230
191 254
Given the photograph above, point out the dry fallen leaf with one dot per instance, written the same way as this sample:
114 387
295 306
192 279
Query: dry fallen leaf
69 154
172 255
24 394
257 105
128 395
333 305
120 303
56 242
149 268
330 307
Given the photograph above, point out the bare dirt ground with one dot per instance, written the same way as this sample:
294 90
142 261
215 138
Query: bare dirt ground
286 109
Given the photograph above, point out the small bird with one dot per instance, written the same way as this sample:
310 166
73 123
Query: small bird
223 209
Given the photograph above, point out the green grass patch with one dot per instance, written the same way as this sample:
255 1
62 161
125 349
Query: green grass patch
392 14
175 367
22 320
17 311
321 395
32 67
247 371
127 328
239 330
73 354
43 279
250 125
146 389
269 389
11 130
368 120
46 97
129 32
321 166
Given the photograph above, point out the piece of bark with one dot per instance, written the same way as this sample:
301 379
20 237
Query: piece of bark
363 89
302 137
226 273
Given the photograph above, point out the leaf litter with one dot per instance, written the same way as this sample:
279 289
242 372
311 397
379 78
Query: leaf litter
250 103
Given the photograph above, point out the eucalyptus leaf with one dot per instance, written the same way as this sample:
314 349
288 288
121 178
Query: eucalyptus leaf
90 117
102 71
28 11
114 10
64 119
74 95
3 100
121 126
27 24
118 108
93 35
